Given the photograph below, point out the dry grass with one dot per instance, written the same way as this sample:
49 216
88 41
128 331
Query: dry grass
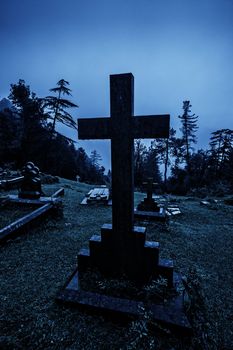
35 266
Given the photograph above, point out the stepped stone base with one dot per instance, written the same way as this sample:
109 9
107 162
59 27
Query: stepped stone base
142 261
142 264
148 205
171 315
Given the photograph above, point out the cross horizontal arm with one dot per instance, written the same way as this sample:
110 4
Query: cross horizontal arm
94 128
151 126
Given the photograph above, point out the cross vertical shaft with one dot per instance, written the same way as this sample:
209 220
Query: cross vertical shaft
122 248
122 101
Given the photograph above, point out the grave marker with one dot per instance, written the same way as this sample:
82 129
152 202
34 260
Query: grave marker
149 203
31 184
122 247
148 208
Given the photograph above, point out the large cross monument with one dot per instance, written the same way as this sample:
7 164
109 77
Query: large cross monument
122 247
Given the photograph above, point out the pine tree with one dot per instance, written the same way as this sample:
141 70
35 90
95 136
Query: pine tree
140 153
188 129
221 144
165 149
31 115
57 106
151 165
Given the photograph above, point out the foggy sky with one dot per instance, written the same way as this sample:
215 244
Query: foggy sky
176 50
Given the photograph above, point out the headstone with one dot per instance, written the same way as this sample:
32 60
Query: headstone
149 204
122 247
149 209
31 183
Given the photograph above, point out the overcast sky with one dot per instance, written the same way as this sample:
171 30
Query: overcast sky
176 50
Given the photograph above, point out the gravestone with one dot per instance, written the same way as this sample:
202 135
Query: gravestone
31 183
122 247
148 208
149 204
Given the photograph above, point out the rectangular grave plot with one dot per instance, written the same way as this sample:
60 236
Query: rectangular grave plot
12 212
170 315
25 221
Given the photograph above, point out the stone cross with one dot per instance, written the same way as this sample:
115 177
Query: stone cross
149 184
122 128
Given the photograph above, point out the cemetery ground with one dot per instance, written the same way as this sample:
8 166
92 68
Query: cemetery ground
35 266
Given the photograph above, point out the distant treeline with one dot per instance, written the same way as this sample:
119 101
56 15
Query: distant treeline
28 133
189 169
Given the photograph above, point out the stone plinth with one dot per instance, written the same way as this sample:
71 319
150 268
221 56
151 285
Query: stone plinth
142 262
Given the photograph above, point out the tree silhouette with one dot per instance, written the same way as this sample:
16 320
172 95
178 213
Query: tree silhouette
151 164
57 106
140 153
221 144
188 129
165 149
31 114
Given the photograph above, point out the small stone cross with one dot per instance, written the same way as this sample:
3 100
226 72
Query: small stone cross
149 185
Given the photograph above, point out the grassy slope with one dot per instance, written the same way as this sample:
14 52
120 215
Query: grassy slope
36 265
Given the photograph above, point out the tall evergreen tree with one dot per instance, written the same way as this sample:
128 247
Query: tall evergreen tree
188 129
95 158
221 145
151 165
31 114
165 149
57 106
140 153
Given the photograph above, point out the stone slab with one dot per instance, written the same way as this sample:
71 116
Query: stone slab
13 198
85 202
11 230
150 215
170 315
58 193
173 210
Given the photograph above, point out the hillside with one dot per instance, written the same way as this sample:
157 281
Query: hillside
35 266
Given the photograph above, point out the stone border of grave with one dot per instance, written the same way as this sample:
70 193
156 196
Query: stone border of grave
11 183
46 206
171 315
13 198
